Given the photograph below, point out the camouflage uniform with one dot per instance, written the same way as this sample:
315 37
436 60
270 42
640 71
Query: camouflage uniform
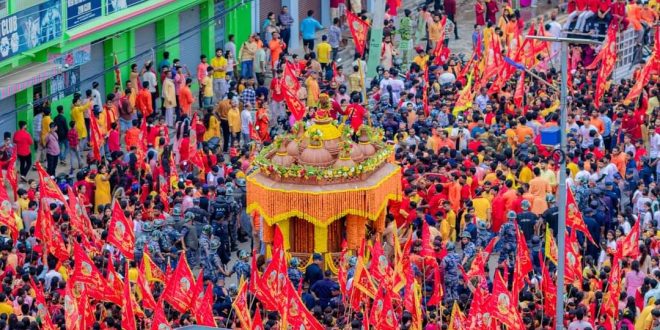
295 275
507 242
450 266
206 254
582 193
483 234
241 267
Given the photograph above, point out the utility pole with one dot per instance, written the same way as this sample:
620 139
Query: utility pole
376 38
561 234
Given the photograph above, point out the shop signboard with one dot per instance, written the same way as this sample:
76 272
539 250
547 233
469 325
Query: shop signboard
65 84
117 5
72 58
82 11
30 28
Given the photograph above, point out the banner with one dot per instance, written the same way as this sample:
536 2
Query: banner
117 5
30 28
82 11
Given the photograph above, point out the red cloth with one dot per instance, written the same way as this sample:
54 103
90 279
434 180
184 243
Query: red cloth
581 4
356 115
113 141
479 11
143 102
450 7
498 212
593 5
23 141
604 5
184 149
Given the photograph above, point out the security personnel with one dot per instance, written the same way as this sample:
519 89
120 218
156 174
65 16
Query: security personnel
527 221
201 217
206 253
507 242
468 248
141 240
449 266
221 231
241 267
190 238
295 275
224 215
153 244
217 269
483 234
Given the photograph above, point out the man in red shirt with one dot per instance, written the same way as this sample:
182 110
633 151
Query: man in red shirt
356 113
143 101
113 139
580 8
23 141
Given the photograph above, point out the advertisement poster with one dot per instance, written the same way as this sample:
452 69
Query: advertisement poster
30 28
81 11
117 5
73 58
65 84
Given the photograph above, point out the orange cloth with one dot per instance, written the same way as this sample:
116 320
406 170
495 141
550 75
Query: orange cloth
132 137
522 131
143 102
539 187
185 100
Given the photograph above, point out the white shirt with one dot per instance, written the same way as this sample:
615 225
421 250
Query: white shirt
654 143
246 120
96 98
150 77
446 78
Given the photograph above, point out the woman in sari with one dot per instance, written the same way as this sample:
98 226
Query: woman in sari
263 123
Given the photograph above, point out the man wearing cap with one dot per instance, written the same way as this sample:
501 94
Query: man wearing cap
295 275
483 234
469 249
449 266
507 242
528 221
189 237
241 267
551 215
323 289
314 272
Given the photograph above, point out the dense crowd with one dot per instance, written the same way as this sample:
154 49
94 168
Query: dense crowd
471 243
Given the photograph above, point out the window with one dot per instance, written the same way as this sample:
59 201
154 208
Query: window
3 8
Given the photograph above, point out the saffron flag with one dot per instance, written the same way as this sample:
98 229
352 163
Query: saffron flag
51 236
42 309
642 80
382 313
574 216
523 265
480 259
114 285
519 94
607 63
47 186
240 306
85 272
465 98
611 297
630 244
159 321
290 78
127 313
120 232
295 313
549 289
457 319
363 284
359 31
95 137
573 272
152 272
178 291
257 287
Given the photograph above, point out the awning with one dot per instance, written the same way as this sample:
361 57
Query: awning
26 77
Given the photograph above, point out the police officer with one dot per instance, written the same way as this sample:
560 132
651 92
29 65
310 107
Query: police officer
240 196
241 267
224 215
468 248
141 240
507 242
153 244
449 266
206 253
217 269
351 267
551 215
582 192
201 217
295 275
483 234
190 238
527 221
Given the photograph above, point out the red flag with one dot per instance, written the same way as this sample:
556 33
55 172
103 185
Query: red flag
80 222
148 300
85 272
114 284
549 289
611 297
257 285
294 104
195 157
630 244
8 218
436 297
363 285
178 291
574 216
573 273
95 137
502 306
202 309
642 80
257 323
519 94
523 264
477 266
606 64
47 186
159 321
46 231
295 313
425 97
382 313
42 308
341 272
120 232
240 305
74 318
290 78
11 173
275 274
359 31
127 313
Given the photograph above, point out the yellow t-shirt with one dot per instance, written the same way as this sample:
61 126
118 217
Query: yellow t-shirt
573 168
525 175
481 208
219 63
45 127
323 52
6 308
208 86
421 61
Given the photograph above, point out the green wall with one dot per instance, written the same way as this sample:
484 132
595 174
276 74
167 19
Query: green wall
239 22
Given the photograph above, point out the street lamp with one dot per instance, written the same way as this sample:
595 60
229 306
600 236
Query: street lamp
561 233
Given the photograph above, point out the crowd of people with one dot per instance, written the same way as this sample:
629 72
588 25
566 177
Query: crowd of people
471 243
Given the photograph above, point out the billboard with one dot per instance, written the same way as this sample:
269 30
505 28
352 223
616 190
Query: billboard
117 5
30 28
81 11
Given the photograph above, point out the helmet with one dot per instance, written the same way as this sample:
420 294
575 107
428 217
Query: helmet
215 243
242 254
170 221
550 198
241 182
466 234
158 223
525 205
189 216
352 261
511 215
147 227
450 246
207 229
482 224
294 262
221 191
176 211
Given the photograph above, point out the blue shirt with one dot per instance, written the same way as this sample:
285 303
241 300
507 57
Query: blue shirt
308 28
607 122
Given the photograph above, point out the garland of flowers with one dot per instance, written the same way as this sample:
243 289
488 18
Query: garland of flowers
367 166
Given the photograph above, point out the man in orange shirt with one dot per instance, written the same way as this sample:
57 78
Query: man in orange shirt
143 101
185 98
132 135
619 159
522 130
277 47
539 186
